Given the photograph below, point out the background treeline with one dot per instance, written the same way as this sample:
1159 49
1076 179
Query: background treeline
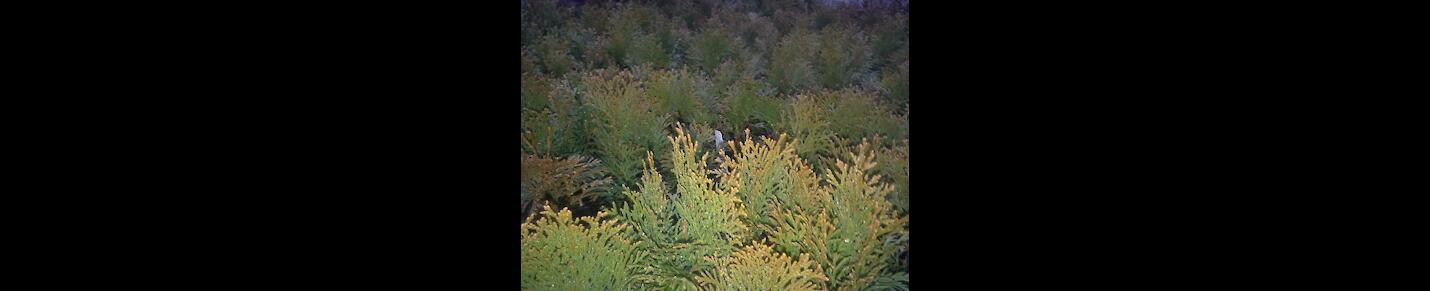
617 95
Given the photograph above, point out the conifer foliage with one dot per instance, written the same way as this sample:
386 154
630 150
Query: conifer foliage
806 189
559 252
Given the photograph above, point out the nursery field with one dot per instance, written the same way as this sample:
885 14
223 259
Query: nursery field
714 145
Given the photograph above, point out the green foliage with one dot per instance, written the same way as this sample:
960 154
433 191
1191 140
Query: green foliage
759 267
528 65
553 51
551 119
893 163
567 182
621 31
646 49
682 94
745 105
895 84
764 176
711 214
623 125
890 36
712 47
807 121
858 114
559 252
652 216
791 67
624 97
850 233
535 91
842 57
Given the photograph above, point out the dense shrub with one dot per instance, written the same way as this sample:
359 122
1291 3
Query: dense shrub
623 124
559 252
842 57
851 232
620 104
791 66
759 267
744 106
712 47
646 50
565 182
553 52
683 94
895 84
858 114
806 119
711 213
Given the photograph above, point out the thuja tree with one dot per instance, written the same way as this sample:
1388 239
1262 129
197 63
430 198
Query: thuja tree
683 94
765 177
849 226
623 124
806 118
704 219
711 213
559 252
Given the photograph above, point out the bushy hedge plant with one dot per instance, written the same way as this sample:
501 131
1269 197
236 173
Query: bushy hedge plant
561 252
623 124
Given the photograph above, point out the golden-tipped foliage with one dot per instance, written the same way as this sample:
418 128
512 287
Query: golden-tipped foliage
759 267
764 175
559 252
850 235
711 215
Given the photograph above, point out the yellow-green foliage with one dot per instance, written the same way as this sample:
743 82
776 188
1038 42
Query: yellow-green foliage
791 65
895 84
744 106
858 114
551 120
843 56
711 48
711 214
559 252
651 216
807 120
567 182
623 124
764 175
850 234
791 202
759 267
894 164
681 93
